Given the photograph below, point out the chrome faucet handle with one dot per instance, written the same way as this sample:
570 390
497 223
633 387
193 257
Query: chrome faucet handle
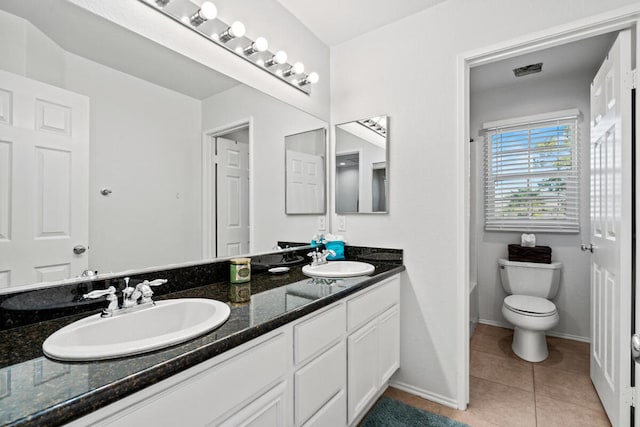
145 289
100 293
110 292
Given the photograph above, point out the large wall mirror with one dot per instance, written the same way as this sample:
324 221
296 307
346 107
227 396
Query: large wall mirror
305 184
118 154
362 161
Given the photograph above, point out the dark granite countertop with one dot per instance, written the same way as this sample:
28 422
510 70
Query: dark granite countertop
35 390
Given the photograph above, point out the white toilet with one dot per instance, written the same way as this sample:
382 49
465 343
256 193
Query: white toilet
530 286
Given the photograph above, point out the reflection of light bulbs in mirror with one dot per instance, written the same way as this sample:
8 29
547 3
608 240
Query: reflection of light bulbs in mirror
236 29
297 68
260 45
312 78
279 58
207 11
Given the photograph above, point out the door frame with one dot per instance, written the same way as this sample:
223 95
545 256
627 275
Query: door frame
616 20
209 211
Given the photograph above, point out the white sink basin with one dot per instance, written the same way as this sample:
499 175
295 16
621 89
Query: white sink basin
167 323
339 269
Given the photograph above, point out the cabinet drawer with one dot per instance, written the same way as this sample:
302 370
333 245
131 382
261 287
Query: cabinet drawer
317 333
334 413
317 382
366 307
214 392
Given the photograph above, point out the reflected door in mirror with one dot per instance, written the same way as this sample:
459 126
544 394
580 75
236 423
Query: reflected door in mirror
232 197
44 175
305 172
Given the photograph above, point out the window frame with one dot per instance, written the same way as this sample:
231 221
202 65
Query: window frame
550 200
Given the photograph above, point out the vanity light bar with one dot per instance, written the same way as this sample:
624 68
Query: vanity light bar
255 51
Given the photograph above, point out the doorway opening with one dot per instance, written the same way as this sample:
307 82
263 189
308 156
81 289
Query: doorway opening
227 191
501 99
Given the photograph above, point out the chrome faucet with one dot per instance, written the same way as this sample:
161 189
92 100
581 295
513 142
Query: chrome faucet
319 258
133 299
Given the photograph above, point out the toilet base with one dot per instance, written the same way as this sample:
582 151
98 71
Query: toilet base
530 345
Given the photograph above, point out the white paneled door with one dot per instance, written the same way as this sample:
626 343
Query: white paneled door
611 210
232 197
44 181
305 183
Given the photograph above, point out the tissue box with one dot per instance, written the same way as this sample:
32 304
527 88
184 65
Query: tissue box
541 254
336 246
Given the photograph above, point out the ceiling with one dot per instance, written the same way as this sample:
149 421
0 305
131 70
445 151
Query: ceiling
336 21
581 56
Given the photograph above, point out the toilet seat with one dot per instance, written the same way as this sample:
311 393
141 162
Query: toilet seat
530 306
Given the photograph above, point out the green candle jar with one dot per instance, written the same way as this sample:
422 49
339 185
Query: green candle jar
240 270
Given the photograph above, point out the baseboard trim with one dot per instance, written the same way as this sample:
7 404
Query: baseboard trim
434 397
550 333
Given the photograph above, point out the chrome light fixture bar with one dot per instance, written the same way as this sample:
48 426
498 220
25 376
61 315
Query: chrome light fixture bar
204 22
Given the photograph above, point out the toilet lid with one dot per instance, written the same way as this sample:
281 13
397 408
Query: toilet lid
530 305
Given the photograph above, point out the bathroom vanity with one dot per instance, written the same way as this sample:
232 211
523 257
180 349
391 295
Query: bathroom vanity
303 352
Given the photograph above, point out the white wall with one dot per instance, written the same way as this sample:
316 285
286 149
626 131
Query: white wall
27 51
416 85
261 17
272 121
518 100
145 147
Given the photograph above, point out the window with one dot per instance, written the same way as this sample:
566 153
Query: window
532 174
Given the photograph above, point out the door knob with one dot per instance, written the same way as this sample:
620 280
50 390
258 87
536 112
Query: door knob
635 347
590 247
79 249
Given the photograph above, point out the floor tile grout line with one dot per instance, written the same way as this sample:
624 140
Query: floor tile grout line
502 384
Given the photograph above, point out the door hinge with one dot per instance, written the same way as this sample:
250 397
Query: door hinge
633 396
632 79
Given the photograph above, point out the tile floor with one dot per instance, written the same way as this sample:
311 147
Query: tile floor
508 391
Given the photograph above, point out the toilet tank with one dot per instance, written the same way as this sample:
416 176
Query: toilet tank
530 278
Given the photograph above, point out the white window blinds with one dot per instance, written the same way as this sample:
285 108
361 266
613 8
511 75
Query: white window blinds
532 176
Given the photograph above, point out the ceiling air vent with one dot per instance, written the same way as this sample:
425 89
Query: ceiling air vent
528 69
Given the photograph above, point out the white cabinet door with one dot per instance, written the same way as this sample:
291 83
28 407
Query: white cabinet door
318 381
362 368
388 344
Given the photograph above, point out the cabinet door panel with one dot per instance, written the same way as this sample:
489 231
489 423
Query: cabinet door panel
363 368
333 414
318 381
389 344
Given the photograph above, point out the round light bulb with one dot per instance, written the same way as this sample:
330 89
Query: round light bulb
237 29
261 44
313 78
280 57
298 68
208 10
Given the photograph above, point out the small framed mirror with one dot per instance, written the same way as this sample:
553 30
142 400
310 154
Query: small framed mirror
305 176
362 162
